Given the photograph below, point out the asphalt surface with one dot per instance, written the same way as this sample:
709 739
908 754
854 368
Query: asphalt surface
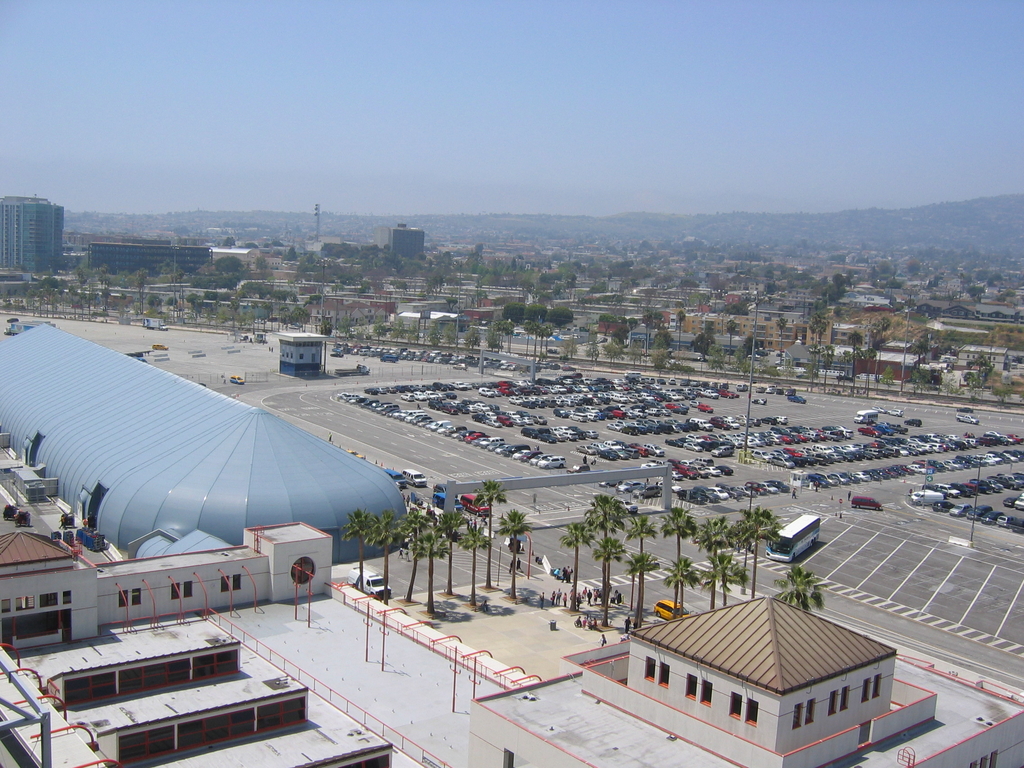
903 575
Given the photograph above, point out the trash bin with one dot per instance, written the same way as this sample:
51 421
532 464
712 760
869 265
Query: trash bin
553 625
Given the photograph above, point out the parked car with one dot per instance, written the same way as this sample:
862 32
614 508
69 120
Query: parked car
669 609
865 502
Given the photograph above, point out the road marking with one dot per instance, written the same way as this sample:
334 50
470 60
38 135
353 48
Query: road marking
829 576
948 575
978 594
822 548
911 574
1010 609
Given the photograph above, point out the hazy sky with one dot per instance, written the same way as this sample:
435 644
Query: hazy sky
523 107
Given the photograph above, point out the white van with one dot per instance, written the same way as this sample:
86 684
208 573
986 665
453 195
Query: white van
372 583
863 417
926 497
415 478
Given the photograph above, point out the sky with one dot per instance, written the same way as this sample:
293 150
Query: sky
596 108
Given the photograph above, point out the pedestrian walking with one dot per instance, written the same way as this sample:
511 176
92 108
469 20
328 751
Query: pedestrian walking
794 493
604 640
542 601
628 624
848 495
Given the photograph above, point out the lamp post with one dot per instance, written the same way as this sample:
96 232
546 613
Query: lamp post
977 490
750 380
906 339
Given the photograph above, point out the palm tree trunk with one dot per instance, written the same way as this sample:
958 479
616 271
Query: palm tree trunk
575 580
605 585
430 586
472 587
451 556
490 541
412 579
638 615
387 561
361 560
714 591
515 560
753 574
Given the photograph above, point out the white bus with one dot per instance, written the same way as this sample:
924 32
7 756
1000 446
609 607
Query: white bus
795 539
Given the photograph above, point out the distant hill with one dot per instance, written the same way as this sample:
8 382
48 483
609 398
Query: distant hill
990 224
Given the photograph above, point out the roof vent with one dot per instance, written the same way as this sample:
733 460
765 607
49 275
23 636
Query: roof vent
983 721
528 697
277 683
217 640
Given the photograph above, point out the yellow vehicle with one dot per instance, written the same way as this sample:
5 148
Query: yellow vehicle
667 609
237 379
161 347
357 454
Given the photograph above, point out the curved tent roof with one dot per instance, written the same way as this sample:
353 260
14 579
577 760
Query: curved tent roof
149 450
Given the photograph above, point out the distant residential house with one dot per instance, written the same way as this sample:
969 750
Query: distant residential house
968 311
969 355
1000 312
355 312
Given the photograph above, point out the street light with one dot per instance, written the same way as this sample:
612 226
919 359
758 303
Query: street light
750 378
906 339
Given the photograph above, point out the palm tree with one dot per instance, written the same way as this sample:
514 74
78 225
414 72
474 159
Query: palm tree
490 493
607 551
473 541
448 525
514 525
817 325
731 327
639 566
734 576
429 545
720 568
414 525
360 526
762 524
576 535
384 533
781 324
713 535
606 514
640 528
681 574
829 354
680 523
801 588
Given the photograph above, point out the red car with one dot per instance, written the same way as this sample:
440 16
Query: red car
705 408
869 431
727 394
642 450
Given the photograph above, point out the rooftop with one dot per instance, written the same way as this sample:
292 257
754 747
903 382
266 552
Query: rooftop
22 548
765 642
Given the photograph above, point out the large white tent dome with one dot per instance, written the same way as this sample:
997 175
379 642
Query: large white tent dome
140 449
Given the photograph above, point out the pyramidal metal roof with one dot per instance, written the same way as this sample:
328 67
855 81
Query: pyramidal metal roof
168 453
767 643
22 547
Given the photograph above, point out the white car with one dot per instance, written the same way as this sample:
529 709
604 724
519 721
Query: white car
653 465
654 450
967 418
551 462
461 386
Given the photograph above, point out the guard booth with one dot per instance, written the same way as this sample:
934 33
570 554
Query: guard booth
301 354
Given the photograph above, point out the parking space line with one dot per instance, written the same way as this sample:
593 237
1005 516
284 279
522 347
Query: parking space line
829 576
902 583
939 589
978 594
1010 609
881 564
822 549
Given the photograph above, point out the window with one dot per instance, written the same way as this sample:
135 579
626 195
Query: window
705 692
5 605
649 668
876 687
691 686
236 581
865 690
179 591
833 703
136 746
25 603
752 708
154 676
223 663
234 584
798 715
215 728
225 585
89 687
48 600
66 597
844 698
736 705
509 760
280 713
809 717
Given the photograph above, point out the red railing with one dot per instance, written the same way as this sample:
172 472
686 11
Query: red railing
323 690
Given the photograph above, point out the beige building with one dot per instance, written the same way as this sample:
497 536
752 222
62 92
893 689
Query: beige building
759 684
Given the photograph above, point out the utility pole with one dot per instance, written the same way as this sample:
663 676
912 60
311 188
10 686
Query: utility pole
316 213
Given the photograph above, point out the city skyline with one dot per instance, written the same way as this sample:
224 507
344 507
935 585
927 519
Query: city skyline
400 109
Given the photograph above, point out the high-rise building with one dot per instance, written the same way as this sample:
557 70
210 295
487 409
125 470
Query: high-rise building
404 241
151 256
31 234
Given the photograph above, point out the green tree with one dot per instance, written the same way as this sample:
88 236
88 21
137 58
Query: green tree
638 566
718 575
473 541
448 525
607 551
614 351
489 494
712 535
514 311
576 535
429 545
762 524
472 338
681 524
888 378
560 317
593 350
801 588
514 525
682 573
360 526
385 533
415 524
570 347
660 359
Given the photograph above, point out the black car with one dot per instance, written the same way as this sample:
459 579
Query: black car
943 506
1010 501
912 422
